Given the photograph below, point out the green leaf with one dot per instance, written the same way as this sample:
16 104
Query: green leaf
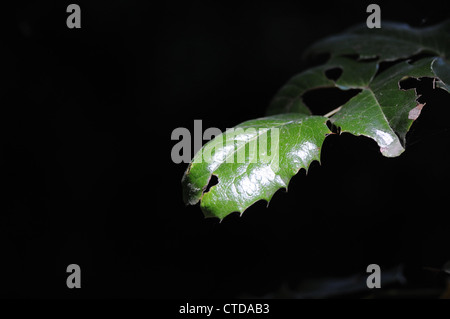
382 110
243 182
391 42
289 98
442 70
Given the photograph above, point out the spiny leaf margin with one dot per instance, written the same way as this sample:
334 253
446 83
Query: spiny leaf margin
242 184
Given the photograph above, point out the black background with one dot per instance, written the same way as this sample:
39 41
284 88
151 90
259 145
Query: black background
87 176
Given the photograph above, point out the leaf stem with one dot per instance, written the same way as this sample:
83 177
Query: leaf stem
333 111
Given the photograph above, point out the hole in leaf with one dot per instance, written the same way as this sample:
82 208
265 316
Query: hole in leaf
408 83
425 87
214 180
321 101
334 73
382 66
419 56
333 128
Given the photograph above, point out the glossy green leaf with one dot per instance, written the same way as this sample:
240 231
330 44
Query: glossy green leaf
295 141
382 110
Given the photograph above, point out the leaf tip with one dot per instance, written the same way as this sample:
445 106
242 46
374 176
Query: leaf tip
392 150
